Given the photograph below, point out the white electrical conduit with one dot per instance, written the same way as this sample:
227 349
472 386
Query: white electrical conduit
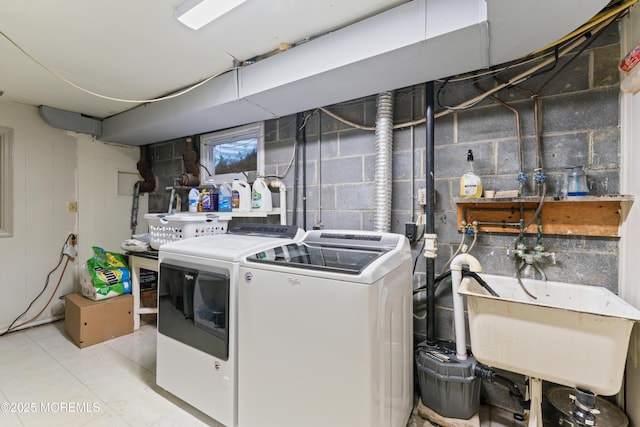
458 303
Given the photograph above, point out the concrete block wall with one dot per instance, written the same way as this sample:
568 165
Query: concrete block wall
580 126
579 104
167 165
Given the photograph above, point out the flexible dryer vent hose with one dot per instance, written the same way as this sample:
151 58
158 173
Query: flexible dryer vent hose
383 162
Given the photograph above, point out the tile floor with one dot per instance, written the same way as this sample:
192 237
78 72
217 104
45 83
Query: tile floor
111 383
46 380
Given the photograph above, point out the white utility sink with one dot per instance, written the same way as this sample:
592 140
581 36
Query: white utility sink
574 335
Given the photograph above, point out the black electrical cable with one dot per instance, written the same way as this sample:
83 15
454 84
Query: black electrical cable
415 262
205 168
465 273
451 107
436 281
46 284
553 65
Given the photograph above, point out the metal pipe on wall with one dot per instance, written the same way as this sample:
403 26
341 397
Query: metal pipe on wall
190 157
144 169
383 163
294 207
303 137
319 171
429 105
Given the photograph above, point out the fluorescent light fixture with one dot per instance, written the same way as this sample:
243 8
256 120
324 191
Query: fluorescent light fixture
198 13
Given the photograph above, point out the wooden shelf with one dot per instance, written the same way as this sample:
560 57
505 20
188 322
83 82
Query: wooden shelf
580 215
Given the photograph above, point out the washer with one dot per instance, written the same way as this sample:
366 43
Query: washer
197 315
325 332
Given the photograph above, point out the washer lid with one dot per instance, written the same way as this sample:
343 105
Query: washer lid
231 247
338 259
348 252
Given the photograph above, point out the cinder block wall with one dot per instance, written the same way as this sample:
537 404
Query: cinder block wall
580 126
167 165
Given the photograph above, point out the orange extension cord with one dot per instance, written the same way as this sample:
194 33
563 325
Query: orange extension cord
45 306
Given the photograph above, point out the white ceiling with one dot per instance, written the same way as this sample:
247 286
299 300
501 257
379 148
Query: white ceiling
136 49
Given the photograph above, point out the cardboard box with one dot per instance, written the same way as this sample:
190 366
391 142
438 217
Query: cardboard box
149 299
89 322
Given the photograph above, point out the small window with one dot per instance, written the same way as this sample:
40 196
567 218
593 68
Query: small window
232 153
6 182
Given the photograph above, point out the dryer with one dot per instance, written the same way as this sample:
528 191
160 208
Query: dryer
325 332
197 315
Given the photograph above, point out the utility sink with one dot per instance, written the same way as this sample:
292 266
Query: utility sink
574 335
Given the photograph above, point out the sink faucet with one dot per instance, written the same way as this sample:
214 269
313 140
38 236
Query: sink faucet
530 260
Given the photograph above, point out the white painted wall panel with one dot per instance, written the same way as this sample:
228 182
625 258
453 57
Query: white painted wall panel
51 168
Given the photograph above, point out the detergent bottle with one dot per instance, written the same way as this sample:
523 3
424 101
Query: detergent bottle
470 183
261 196
241 195
209 196
205 200
224 198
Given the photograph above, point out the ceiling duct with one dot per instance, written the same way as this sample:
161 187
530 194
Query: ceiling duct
68 120
418 41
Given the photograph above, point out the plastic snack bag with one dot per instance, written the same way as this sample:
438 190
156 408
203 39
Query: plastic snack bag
105 275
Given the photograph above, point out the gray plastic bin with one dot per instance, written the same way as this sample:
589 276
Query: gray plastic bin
448 387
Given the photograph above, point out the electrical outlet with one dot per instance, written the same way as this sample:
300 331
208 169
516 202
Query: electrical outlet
422 196
72 206
410 231
70 251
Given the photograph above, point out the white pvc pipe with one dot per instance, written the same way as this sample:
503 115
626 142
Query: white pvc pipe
458 303
279 185
535 414
283 204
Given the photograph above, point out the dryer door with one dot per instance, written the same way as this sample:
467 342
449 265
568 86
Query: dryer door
193 308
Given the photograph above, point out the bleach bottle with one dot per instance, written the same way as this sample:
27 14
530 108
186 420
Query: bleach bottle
261 196
194 199
241 195
224 197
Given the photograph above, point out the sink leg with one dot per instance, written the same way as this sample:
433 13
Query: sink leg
535 394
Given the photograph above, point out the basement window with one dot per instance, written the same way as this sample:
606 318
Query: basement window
6 182
232 153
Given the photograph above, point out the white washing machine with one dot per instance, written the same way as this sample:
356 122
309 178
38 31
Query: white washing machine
197 315
325 332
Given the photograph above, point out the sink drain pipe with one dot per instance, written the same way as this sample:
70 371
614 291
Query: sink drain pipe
430 228
489 374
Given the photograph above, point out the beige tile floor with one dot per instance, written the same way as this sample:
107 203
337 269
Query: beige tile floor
49 381
45 380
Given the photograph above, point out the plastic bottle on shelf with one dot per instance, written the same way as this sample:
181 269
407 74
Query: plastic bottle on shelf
576 182
194 199
206 200
261 196
241 195
470 183
224 198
